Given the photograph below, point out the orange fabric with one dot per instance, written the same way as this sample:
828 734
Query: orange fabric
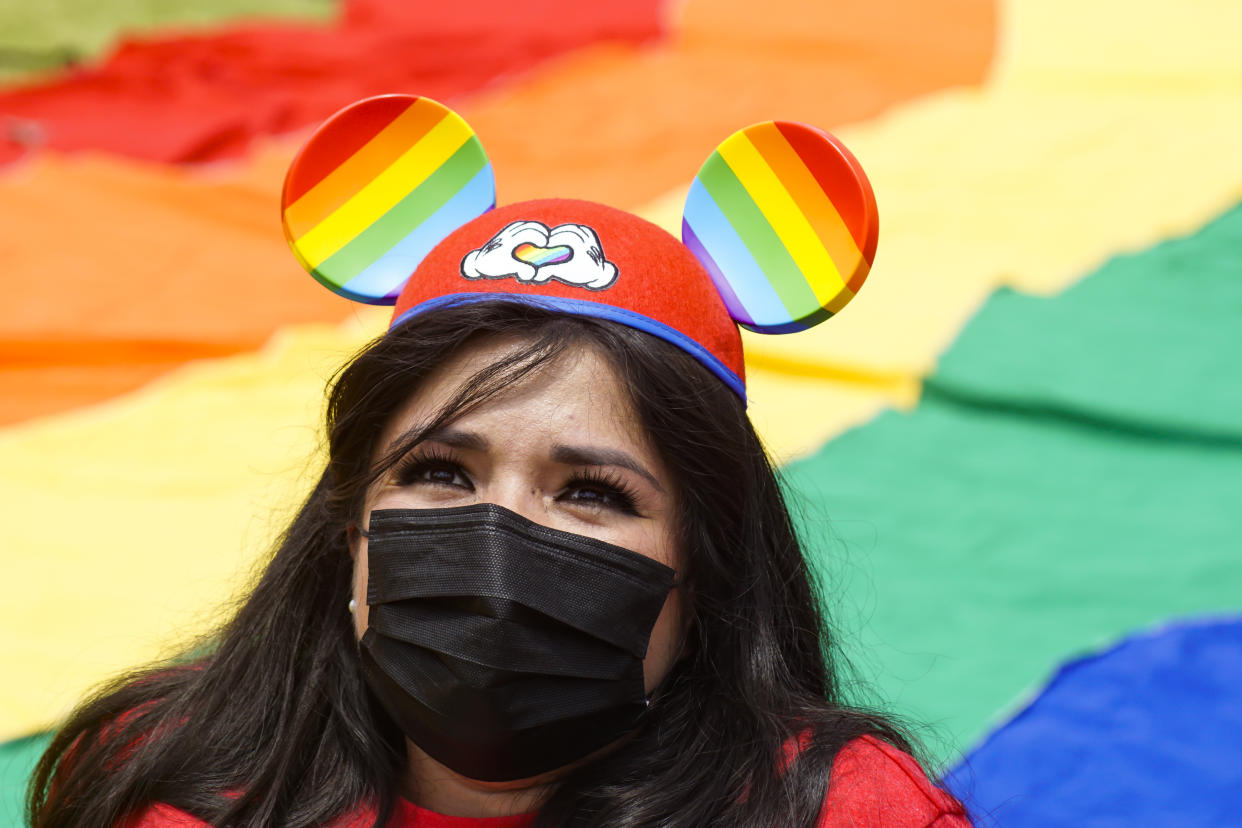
631 123
43 376
116 272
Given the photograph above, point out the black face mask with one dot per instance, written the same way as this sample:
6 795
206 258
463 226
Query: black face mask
505 649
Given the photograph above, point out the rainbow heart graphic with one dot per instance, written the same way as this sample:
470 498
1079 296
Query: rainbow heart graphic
540 256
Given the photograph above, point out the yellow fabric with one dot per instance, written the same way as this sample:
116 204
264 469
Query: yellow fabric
1090 139
127 523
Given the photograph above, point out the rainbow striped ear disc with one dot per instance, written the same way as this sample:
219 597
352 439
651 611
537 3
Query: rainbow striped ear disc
784 219
377 186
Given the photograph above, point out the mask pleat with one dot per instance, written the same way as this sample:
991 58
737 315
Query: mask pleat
499 634
459 689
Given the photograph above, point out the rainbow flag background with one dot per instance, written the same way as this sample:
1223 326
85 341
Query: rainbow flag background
1016 457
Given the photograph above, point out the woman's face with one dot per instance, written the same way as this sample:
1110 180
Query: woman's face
562 448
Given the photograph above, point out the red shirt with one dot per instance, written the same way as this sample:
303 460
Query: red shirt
873 785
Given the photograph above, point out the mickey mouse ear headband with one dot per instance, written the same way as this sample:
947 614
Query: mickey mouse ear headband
392 201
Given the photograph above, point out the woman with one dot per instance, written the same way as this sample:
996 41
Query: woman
547 578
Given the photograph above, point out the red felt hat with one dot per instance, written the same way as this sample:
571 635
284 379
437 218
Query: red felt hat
393 201
585 259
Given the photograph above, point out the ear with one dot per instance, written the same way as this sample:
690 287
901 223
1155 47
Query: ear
353 536
376 187
784 219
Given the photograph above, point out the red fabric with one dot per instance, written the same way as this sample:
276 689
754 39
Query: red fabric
203 97
406 815
656 275
873 785
411 816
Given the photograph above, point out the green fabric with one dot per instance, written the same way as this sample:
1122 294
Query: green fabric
971 551
1151 341
1071 475
17 760
43 35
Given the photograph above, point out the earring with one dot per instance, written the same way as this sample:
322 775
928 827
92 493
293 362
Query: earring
353 606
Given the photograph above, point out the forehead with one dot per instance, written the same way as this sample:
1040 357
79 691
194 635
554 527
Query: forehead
578 396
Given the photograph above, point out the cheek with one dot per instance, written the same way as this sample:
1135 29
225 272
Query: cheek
666 642
669 633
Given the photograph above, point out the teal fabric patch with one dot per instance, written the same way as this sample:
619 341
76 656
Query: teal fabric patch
17 761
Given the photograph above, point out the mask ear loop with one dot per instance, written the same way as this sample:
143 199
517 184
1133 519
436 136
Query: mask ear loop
350 528
684 650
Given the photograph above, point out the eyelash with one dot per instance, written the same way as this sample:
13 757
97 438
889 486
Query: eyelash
609 484
407 472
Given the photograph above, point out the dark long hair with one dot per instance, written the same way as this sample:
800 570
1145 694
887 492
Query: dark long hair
273 725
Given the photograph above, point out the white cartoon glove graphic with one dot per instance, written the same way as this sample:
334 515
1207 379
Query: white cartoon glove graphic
532 253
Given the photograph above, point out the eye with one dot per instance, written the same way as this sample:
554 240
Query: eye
432 467
597 489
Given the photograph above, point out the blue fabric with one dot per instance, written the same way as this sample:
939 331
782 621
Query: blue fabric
1147 733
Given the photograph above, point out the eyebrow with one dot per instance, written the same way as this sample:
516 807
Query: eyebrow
467 440
464 440
591 456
